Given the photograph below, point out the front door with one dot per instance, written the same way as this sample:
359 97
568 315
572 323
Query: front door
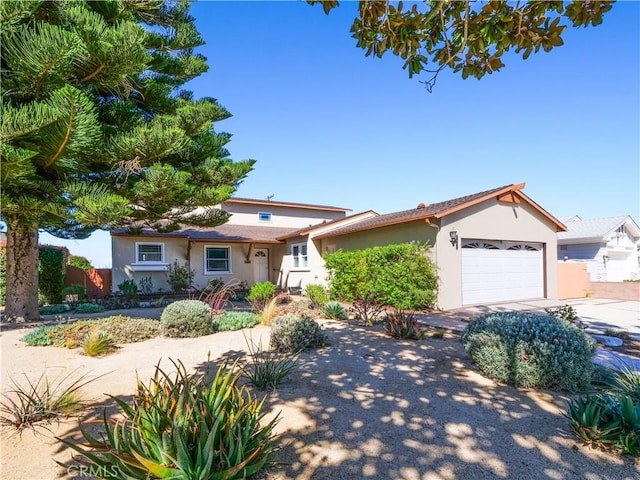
260 265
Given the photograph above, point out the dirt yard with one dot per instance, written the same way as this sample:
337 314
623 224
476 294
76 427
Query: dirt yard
366 407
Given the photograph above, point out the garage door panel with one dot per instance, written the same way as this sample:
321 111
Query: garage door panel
497 272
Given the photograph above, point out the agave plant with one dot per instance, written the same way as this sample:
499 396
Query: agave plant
184 427
610 420
334 310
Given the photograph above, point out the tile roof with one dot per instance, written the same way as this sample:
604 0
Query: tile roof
223 233
311 228
594 228
433 210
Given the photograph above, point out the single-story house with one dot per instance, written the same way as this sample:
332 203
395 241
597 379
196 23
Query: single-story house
493 246
609 246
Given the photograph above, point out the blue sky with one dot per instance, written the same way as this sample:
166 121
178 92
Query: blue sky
328 125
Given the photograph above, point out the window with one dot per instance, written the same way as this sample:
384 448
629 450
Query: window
488 246
299 254
264 216
149 252
217 260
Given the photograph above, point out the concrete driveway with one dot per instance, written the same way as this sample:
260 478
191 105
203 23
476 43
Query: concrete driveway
601 313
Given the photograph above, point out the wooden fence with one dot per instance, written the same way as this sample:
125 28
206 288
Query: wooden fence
96 281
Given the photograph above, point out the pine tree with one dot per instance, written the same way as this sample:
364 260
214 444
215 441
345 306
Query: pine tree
97 131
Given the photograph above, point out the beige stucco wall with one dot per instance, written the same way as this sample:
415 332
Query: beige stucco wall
240 269
300 277
123 255
315 272
123 248
492 220
246 214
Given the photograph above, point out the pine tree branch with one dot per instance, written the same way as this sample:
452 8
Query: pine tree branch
93 74
64 141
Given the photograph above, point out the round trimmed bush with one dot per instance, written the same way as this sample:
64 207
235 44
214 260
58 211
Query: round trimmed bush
531 350
187 318
291 333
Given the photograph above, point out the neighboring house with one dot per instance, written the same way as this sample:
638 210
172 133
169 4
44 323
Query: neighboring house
493 246
609 246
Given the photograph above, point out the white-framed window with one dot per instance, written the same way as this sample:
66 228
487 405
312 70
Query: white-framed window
217 259
299 255
147 252
264 216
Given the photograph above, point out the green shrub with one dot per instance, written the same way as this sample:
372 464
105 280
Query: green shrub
610 419
180 277
291 333
187 318
75 289
531 350
128 289
317 295
184 427
80 262
54 309
52 270
565 312
260 294
89 308
334 310
401 276
234 320
215 284
403 325
39 337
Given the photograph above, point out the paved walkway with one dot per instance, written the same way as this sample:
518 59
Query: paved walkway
597 314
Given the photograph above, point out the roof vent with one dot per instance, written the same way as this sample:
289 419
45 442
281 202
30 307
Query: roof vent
421 205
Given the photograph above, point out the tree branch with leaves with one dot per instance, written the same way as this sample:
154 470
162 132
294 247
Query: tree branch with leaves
464 36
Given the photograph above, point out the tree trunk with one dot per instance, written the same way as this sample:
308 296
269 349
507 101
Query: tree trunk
21 303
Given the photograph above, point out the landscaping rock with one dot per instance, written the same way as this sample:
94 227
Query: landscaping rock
608 341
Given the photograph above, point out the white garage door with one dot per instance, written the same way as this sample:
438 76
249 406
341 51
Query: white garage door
495 271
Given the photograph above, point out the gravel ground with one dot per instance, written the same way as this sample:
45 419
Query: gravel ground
366 407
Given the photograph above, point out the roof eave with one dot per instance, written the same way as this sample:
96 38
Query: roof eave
373 227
